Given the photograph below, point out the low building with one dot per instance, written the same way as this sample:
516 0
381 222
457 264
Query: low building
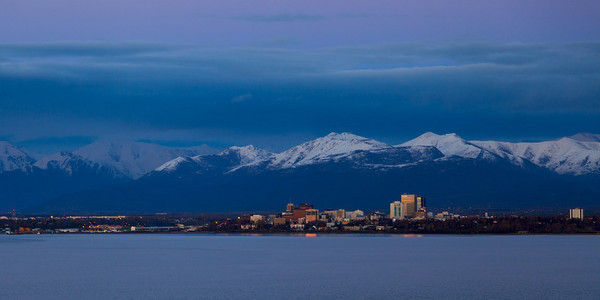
270 219
312 215
323 217
355 215
297 227
279 221
443 216
420 215
352 228
293 213
256 218
376 216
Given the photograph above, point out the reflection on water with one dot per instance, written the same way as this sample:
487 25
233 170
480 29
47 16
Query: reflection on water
412 235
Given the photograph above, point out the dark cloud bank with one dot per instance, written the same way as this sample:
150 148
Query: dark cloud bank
277 97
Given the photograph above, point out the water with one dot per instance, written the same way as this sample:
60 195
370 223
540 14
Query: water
169 266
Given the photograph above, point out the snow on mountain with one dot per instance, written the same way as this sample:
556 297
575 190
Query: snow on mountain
586 137
327 148
574 155
423 152
13 158
227 159
247 154
70 163
134 159
450 145
173 164
564 156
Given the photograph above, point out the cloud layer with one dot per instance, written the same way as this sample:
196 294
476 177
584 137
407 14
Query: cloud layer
393 90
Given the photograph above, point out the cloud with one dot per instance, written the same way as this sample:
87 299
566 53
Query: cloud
78 49
242 98
282 17
138 87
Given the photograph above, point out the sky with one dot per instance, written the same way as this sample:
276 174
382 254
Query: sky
278 73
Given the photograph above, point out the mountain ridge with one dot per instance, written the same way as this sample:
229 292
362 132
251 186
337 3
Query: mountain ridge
338 166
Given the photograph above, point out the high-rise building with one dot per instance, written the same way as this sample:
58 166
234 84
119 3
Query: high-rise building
396 210
576 213
409 206
420 205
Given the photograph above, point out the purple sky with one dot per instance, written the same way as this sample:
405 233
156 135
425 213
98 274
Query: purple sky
298 23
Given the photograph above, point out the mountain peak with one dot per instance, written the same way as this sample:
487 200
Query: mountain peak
230 158
329 147
242 148
346 136
449 144
341 135
13 158
564 156
431 137
247 154
58 160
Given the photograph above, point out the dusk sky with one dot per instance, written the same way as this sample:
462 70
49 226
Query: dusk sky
277 73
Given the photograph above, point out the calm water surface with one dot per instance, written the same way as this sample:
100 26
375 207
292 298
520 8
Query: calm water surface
168 266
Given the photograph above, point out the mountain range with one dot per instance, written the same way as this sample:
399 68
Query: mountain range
337 170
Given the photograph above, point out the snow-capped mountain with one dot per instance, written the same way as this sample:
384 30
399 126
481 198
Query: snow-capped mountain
564 156
246 155
586 137
340 170
13 158
52 176
328 148
344 148
450 145
228 159
135 159
567 155
72 164
576 155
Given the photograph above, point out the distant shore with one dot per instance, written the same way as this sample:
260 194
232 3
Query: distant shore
164 224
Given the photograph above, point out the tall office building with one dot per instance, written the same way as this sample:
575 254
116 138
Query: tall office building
409 206
420 203
396 210
576 213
